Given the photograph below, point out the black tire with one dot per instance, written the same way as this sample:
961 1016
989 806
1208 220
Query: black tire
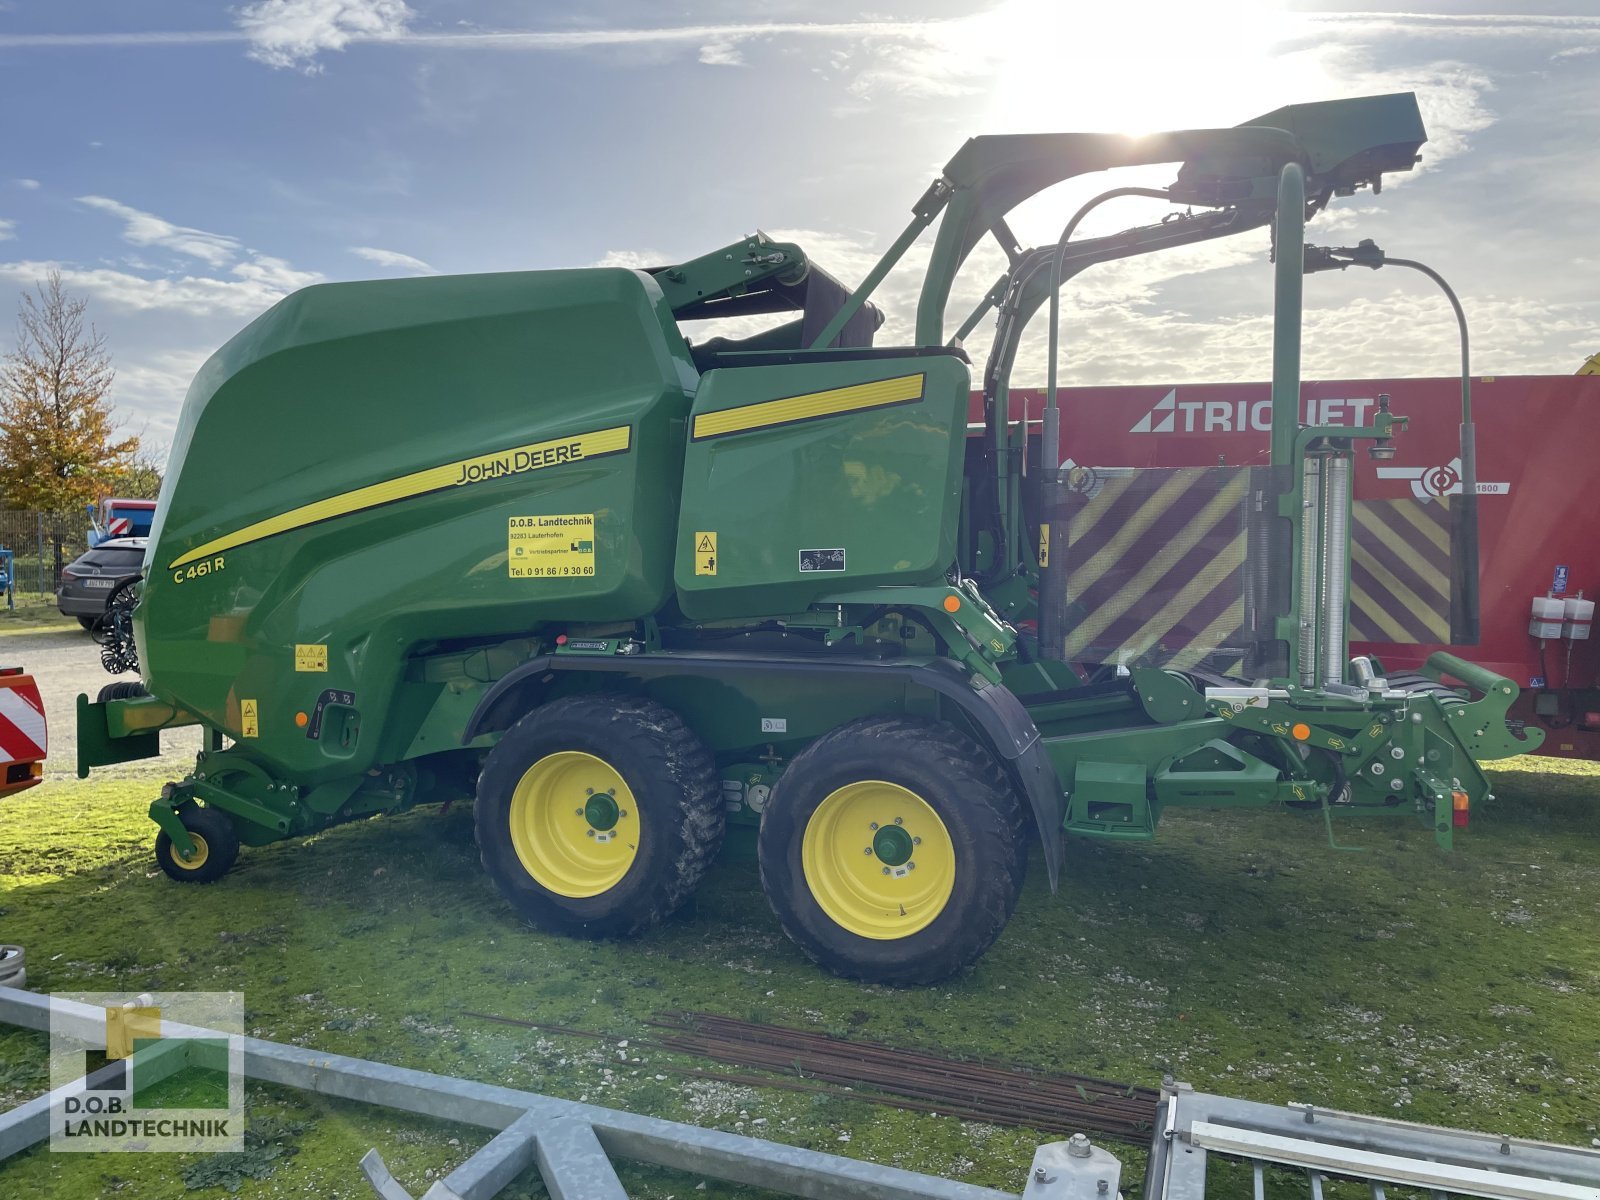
122 689
678 816
88 623
987 839
214 833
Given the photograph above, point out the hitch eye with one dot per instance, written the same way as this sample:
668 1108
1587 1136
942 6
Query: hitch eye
1460 809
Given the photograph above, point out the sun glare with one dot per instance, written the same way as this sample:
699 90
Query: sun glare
1142 66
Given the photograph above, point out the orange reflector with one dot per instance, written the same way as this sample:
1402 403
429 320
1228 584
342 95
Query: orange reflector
952 603
300 719
1460 806
1301 732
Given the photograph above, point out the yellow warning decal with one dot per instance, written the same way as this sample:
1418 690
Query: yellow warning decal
550 547
1044 544
310 657
902 389
249 725
484 468
705 553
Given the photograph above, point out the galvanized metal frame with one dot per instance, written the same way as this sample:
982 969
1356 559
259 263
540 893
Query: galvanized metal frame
572 1145
1375 1150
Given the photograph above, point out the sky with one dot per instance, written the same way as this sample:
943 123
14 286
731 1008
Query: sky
186 164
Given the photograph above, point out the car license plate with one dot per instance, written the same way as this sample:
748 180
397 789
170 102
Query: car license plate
99 582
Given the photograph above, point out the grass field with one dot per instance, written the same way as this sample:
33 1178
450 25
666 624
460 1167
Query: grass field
1237 951
32 614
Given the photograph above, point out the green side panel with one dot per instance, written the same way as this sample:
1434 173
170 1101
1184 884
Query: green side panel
99 747
818 478
1142 746
346 474
1109 799
1217 774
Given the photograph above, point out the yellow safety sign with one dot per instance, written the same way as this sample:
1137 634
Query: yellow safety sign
310 657
551 547
1044 544
249 726
705 553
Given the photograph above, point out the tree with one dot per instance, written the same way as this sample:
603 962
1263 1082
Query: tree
59 449
143 478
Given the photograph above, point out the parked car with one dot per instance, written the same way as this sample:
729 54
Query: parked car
89 579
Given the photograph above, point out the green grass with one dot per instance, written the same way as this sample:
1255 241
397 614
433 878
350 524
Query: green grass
191 1087
1236 951
33 614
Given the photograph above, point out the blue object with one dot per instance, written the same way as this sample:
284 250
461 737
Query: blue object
1559 587
8 577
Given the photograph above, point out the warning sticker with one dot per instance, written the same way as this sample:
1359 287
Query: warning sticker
831 559
1044 545
553 547
310 658
249 724
705 553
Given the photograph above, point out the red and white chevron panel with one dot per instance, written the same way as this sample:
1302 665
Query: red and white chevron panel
22 726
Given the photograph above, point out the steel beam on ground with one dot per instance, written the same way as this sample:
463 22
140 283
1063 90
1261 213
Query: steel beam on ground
565 1157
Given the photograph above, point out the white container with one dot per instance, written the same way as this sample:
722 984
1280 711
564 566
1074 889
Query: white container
1578 616
1548 614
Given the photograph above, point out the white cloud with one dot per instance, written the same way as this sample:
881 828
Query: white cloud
8 229
721 53
274 275
255 285
27 185
291 33
393 259
149 389
1452 96
633 260
932 56
146 229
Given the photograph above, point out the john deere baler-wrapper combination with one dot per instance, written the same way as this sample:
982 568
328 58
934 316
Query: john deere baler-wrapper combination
515 536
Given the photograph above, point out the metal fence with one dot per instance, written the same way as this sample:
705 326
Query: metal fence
35 538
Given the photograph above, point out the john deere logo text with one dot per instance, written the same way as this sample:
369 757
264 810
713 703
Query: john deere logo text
515 462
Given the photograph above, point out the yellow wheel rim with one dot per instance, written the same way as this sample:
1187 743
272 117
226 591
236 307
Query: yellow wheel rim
201 853
878 860
574 824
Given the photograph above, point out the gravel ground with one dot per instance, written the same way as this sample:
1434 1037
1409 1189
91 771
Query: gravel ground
65 662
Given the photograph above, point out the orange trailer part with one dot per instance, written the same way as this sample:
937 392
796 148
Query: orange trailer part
24 740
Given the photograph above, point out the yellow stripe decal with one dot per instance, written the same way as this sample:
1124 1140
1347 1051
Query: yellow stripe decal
1432 522
1136 594
858 397
485 467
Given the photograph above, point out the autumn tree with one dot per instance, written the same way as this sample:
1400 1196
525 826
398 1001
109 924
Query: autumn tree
59 444
143 478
